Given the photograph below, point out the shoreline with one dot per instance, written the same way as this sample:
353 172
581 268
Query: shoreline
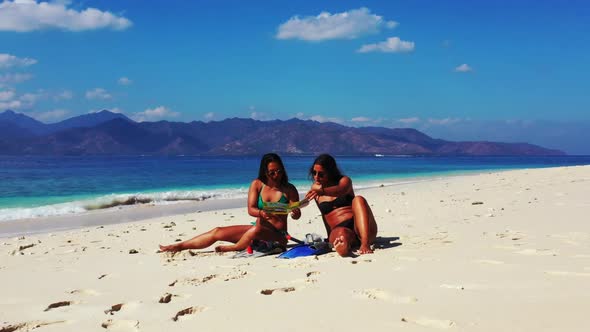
140 212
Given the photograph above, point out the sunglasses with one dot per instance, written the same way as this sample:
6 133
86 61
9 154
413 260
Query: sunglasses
319 174
274 172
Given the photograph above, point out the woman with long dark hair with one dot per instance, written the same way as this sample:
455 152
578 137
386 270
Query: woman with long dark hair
347 217
271 185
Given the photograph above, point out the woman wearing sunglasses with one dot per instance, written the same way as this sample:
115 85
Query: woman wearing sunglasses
348 218
271 185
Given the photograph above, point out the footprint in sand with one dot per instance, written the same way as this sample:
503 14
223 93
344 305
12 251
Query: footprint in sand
90 292
121 325
166 298
282 290
28 326
239 274
59 304
296 265
428 322
114 308
373 294
361 261
188 312
379 294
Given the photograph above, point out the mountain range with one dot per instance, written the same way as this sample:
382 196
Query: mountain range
108 133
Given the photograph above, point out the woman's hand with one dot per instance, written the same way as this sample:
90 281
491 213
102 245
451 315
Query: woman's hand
318 188
311 195
296 214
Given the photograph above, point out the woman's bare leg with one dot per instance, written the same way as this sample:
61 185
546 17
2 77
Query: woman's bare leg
254 233
364 224
243 242
229 233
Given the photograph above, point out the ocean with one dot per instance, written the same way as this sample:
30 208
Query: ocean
32 187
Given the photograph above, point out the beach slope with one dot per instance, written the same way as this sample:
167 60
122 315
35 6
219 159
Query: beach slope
501 251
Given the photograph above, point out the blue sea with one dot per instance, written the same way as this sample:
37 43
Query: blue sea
33 187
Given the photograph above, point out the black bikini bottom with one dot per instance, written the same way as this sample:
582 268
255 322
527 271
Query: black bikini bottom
349 223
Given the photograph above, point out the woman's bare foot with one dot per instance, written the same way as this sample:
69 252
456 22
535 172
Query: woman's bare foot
365 249
171 248
341 246
224 248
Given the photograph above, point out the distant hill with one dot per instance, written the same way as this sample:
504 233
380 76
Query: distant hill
107 133
39 128
11 118
87 120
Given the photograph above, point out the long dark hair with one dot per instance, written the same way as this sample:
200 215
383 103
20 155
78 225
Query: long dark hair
267 159
329 164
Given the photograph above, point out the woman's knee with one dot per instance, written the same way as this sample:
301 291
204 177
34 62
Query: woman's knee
359 200
216 233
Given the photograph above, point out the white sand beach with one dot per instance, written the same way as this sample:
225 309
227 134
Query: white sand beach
503 251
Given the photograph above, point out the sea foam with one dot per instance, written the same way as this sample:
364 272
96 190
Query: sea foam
117 200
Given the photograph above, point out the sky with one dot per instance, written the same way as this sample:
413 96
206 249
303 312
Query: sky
514 71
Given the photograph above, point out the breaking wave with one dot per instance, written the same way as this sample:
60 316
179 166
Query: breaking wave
118 200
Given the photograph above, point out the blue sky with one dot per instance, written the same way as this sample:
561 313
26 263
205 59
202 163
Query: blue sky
465 70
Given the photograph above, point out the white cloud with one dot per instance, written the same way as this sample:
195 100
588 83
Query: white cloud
209 116
464 68
8 61
325 26
152 114
10 100
98 93
300 115
10 104
30 15
49 116
360 119
409 120
257 115
31 98
64 95
8 79
443 122
124 81
391 45
320 118
7 95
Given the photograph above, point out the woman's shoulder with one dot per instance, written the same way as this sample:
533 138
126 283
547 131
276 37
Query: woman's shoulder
345 179
256 183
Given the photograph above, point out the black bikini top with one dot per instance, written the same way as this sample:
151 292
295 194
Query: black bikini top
329 206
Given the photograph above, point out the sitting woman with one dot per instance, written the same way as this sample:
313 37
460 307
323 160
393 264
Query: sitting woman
272 185
348 219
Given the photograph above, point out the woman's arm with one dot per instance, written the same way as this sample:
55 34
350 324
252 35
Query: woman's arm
343 187
253 194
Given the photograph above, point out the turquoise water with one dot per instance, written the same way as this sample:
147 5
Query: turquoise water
41 186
